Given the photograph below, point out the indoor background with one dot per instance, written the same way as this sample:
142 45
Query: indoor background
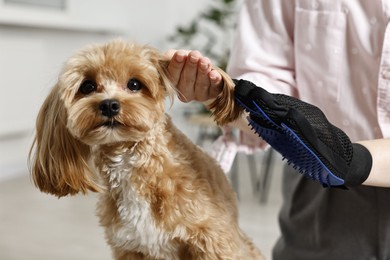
36 37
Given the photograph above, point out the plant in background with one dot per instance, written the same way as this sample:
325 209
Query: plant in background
210 32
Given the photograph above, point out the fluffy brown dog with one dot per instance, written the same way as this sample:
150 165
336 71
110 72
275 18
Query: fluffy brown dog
103 128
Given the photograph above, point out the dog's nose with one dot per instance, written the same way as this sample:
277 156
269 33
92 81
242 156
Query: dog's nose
109 107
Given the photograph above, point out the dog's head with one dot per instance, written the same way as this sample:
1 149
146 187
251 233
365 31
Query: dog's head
105 94
113 93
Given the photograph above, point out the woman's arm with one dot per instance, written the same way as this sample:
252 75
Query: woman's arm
380 171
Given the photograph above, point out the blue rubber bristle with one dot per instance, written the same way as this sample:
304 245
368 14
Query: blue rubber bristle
291 147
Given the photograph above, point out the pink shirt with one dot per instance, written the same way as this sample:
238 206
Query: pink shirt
333 54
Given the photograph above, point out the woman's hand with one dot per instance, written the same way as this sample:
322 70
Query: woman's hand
194 76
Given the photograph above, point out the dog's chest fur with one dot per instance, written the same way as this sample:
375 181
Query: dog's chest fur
132 225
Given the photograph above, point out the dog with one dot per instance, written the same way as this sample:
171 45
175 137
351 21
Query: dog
103 128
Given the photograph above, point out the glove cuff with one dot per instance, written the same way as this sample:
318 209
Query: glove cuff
360 167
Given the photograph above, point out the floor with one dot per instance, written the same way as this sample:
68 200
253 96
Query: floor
37 226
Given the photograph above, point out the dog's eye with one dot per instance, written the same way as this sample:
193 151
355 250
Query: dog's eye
87 87
134 85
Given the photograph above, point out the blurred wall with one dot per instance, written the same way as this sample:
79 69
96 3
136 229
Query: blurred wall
34 42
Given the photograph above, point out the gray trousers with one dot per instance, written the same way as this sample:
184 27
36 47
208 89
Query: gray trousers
319 223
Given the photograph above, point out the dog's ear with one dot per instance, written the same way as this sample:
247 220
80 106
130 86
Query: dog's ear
58 161
162 67
224 108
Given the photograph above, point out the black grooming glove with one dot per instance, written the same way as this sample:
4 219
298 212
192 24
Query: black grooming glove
301 133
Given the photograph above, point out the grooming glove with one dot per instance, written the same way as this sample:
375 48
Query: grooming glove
301 133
